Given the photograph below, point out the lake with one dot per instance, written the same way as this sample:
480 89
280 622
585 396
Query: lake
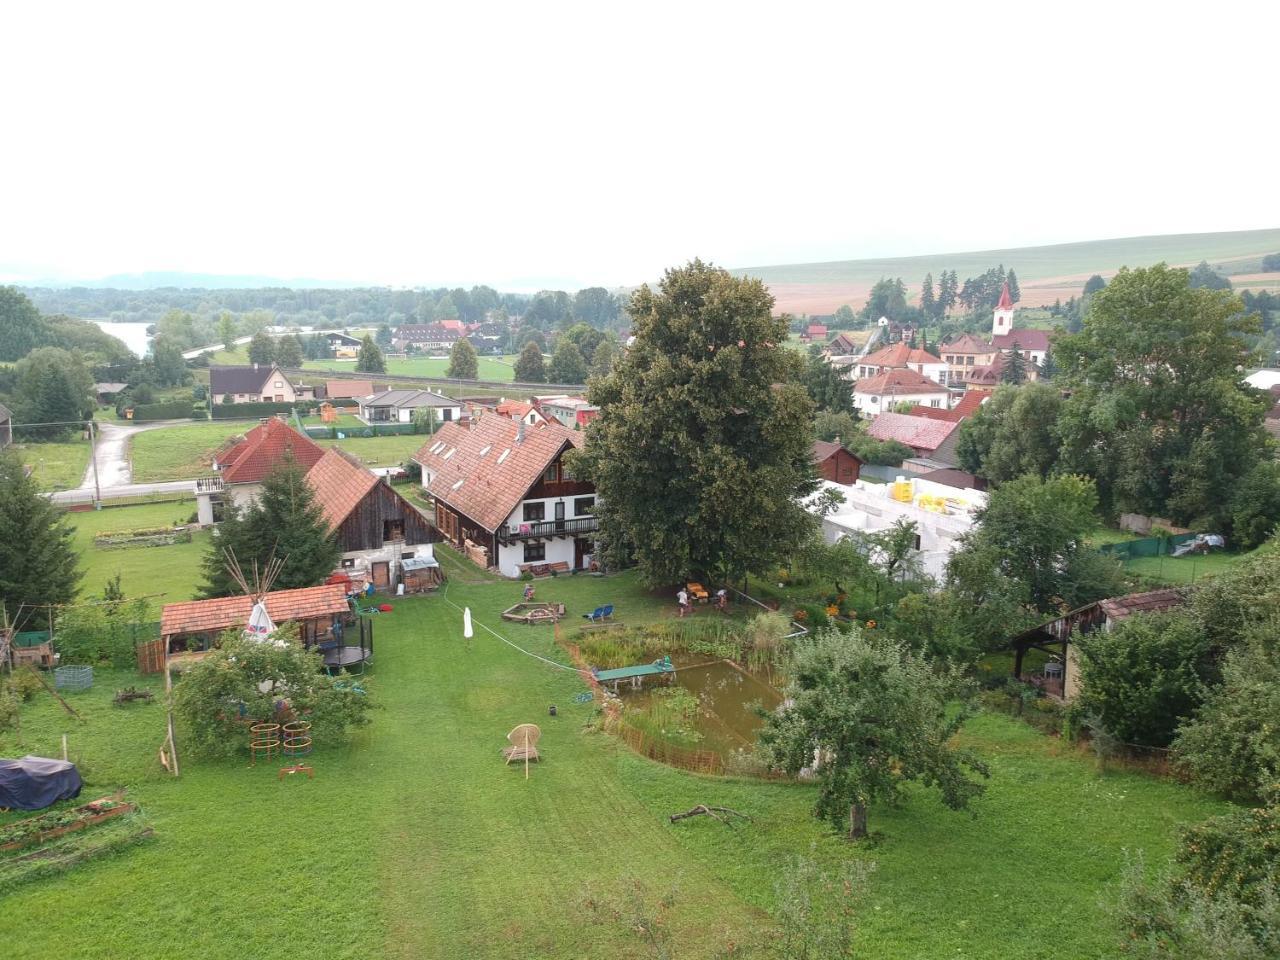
134 335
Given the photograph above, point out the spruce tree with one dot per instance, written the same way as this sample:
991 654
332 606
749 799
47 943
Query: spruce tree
529 367
1014 293
928 305
370 359
289 351
38 564
1015 366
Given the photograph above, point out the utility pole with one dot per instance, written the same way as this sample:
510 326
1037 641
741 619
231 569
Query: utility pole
93 458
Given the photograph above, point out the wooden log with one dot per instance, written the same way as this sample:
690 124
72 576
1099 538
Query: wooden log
711 811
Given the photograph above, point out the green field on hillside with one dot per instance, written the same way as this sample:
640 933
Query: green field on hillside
1035 262
172 570
415 840
58 465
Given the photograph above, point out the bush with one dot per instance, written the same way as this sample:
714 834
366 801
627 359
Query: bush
169 410
103 633
250 411
1145 675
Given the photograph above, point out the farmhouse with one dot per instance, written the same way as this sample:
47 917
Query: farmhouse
343 346
942 515
251 384
900 356
428 337
376 528
842 345
502 495
884 391
834 463
1061 676
244 462
400 406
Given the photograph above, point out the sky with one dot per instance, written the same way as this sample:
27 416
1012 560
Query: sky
576 144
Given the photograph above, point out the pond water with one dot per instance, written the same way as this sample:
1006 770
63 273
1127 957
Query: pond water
728 696
134 335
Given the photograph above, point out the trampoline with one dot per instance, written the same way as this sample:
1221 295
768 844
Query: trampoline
340 654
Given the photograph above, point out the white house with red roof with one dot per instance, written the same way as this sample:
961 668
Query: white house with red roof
502 493
1032 344
243 462
901 356
873 395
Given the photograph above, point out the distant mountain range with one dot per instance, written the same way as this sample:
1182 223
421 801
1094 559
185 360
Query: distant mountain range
1044 273
155 279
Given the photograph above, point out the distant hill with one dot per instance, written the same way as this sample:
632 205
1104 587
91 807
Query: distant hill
159 279
1044 273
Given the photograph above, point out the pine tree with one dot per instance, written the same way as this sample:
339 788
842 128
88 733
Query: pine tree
928 305
529 367
1012 279
38 562
285 522
1048 368
370 359
1015 366
463 363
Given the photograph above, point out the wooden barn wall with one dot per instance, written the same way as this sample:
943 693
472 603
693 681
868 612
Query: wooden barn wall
362 530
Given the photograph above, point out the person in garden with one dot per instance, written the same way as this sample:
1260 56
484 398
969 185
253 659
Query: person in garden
528 592
682 599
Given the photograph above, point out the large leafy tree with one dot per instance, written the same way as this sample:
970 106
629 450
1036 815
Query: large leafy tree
1013 433
370 359
166 359
463 362
53 388
289 352
567 363
877 717
701 450
826 384
262 349
529 365
285 522
596 307
1033 531
1157 412
38 564
22 329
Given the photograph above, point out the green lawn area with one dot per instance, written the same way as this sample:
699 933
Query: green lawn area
56 466
172 570
1179 570
415 840
488 368
180 453
380 451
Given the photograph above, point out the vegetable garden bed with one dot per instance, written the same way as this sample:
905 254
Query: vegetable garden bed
149 537
57 823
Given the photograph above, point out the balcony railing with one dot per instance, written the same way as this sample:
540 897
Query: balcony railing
208 484
547 528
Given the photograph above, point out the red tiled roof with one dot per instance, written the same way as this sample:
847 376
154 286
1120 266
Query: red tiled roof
920 433
1025 339
817 330
906 382
339 483
1117 608
202 616
468 475
263 447
342 389
899 355
513 409
823 450
967 406
1006 300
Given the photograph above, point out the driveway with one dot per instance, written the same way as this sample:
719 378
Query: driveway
114 471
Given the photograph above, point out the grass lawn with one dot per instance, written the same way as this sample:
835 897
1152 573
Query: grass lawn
488 368
181 453
172 570
415 840
56 466
1179 570
380 451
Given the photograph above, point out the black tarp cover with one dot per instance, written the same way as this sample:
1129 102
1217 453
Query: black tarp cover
34 783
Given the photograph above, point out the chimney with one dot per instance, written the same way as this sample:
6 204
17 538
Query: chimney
519 431
255 366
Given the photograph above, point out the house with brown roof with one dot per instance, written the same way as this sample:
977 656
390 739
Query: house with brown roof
934 439
1061 675
834 463
875 394
244 462
842 345
901 356
503 496
968 405
963 353
352 389
377 529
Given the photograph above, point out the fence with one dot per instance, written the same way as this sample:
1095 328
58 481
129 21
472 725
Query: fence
880 472
364 430
1146 547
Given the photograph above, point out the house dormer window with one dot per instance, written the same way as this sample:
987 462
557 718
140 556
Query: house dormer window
552 473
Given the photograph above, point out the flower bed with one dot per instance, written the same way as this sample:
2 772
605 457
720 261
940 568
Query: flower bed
146 537
56 823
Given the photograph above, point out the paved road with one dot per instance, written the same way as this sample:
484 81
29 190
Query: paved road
115 474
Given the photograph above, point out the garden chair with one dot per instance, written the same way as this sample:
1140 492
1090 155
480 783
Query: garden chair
596 615
524 743
606 611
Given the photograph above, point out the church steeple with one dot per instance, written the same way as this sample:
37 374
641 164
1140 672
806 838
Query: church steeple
1002 319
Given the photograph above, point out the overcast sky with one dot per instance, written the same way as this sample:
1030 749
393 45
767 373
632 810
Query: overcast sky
555 144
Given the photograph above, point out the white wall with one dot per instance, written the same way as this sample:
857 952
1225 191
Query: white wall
872 404
510 556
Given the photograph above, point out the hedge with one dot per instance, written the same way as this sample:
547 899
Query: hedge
172 410
251 411
366 430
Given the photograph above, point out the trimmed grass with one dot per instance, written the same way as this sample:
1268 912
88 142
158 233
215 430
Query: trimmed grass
57 466
415 840
173 570
181 453
380 451
1179 570
488 368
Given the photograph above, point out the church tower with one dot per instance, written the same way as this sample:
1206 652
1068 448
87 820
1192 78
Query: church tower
1002 320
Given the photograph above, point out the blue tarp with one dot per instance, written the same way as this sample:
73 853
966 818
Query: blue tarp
34 783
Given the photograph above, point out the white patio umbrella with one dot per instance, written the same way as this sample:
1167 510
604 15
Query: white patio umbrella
467 632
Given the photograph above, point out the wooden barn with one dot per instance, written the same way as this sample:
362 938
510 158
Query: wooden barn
833 462
376 528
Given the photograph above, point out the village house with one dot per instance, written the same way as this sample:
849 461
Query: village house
964 353
251 384
834 463
942 514
427 337
814 333
842 345
377 530
338 391
502 495
927 437
343 346
1061 675
572 412
519 410
244 462
900 356
400 406
965 407
874 395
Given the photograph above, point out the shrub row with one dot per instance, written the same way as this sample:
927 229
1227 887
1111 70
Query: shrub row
250 411
170 410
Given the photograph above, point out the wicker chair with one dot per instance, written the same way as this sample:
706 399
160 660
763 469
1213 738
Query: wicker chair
524 743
